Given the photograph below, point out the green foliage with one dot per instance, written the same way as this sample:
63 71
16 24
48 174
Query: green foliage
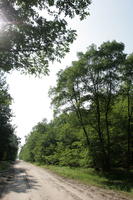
88 176
8 140
36 32
93 113
92 88
56 143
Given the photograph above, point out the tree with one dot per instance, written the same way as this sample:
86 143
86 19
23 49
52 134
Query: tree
88 87
8 140
36 32
67 94
93 105
127 92
59 143
111 58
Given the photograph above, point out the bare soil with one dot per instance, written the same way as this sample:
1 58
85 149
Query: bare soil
28 182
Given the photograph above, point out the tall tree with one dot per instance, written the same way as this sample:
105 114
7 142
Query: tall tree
8 140
127 92
111 60
89 86
67 94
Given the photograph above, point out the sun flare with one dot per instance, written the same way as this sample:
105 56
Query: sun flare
3 21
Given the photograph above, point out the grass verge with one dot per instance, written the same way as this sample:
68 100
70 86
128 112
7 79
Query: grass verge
116 180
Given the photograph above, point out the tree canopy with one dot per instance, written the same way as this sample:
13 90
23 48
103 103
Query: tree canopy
95 87
93 122
36 32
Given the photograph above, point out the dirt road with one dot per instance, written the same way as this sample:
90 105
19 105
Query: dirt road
28 182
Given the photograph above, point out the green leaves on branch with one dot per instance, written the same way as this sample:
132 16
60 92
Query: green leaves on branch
55 143
35 32
91 88
93 103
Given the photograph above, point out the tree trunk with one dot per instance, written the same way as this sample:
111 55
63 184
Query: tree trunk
101 139
108 140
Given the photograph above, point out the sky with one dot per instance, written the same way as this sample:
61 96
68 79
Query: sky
108 20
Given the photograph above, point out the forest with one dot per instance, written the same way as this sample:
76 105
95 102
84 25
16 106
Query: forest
8 140
92 100
29 42
93 113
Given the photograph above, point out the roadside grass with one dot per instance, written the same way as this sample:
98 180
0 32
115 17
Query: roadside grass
4 165
118 180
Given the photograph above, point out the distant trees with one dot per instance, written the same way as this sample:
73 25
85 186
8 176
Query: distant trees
95 96
36 32
8 140
57 143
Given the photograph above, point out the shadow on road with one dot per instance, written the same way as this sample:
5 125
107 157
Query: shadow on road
17 180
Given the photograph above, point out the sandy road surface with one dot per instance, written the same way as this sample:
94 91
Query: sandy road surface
28 182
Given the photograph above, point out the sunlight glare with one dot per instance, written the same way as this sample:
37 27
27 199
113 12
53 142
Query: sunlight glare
3 21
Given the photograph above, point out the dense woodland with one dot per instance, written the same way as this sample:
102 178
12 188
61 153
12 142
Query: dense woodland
93 106
92 100
32 35
8 140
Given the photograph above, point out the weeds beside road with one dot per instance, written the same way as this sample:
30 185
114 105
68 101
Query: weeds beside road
118 180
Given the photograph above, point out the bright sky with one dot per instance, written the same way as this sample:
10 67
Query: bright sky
108 20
